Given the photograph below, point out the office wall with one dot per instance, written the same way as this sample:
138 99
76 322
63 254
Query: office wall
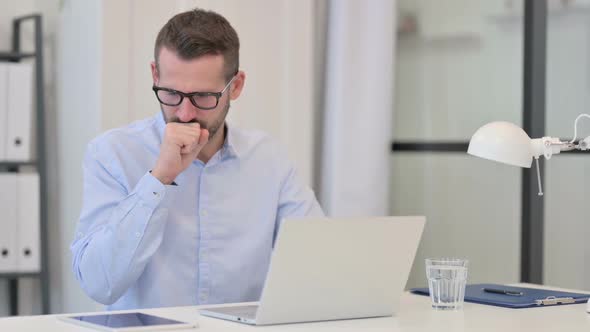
567 177
80 103
459 69
455 74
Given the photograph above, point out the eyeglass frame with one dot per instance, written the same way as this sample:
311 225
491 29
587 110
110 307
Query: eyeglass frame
189 95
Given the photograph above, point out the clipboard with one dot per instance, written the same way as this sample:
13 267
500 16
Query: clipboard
529 298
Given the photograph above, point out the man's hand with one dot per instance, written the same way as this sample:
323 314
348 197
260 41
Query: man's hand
182 143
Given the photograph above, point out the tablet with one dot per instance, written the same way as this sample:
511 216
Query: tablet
127 322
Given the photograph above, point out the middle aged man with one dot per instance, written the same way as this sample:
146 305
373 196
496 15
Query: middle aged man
180 208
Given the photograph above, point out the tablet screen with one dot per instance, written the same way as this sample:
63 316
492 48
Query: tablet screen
133 319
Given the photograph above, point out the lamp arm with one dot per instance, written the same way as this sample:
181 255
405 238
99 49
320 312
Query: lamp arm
576 126
563 146
584 144
539 177
548 146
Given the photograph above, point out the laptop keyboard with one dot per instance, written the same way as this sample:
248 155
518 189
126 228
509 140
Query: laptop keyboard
247 311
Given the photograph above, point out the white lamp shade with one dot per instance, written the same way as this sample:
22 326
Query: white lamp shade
503 142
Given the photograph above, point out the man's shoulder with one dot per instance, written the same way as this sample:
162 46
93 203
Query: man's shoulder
137 132
248 141
259 146
249 137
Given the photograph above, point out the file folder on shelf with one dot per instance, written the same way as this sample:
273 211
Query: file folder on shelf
28 243
528 298
8 223
19 112
3 109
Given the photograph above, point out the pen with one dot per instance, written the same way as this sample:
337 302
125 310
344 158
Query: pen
502 291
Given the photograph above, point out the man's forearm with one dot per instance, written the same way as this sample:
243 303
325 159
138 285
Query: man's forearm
112 254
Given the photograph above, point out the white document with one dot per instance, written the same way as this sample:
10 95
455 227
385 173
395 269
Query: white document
8 223
3 109
28 243
20 112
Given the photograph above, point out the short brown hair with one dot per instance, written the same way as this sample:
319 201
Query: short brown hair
201 32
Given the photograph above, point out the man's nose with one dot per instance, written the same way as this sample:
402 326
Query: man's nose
186 111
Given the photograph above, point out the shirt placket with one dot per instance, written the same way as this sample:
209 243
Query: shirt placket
205 223
204 272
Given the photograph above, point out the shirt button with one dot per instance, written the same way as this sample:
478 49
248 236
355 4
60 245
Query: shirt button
137 234
204 213
156 194
203 298
204 255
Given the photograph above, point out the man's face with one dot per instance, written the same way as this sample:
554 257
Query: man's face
204 74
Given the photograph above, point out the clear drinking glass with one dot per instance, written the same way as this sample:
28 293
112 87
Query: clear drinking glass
447 278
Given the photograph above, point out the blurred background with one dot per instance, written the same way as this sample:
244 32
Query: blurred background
375 101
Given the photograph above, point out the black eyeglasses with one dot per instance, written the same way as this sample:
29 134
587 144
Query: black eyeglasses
202 100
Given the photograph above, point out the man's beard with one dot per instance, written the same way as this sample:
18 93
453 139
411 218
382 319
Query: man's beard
212 128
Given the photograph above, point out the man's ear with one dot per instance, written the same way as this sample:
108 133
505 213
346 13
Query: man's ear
155 75
237 85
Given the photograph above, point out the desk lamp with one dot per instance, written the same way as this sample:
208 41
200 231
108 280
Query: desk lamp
507 143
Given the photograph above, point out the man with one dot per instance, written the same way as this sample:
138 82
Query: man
182 209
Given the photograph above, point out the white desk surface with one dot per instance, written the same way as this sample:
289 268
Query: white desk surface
415 315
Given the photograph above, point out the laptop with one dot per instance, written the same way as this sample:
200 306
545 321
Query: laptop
330 268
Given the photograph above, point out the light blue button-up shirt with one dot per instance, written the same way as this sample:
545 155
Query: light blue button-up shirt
208 239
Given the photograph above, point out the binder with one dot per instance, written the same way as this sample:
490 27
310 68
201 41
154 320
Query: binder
8 223
3 109
528 298
28 232
20 112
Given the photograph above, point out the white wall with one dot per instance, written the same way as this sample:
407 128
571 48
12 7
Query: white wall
80 100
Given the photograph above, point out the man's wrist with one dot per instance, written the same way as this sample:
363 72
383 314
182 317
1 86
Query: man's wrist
165 180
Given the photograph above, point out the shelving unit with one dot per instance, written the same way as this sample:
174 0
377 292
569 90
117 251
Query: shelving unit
15 55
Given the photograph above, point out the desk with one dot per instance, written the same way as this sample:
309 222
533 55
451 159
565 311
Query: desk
415 315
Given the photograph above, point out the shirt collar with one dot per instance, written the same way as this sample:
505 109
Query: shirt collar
160 124
230 145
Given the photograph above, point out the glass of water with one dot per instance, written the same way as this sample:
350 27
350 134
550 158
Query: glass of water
447 278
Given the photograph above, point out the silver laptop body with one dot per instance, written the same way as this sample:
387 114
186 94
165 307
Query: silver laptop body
331 268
